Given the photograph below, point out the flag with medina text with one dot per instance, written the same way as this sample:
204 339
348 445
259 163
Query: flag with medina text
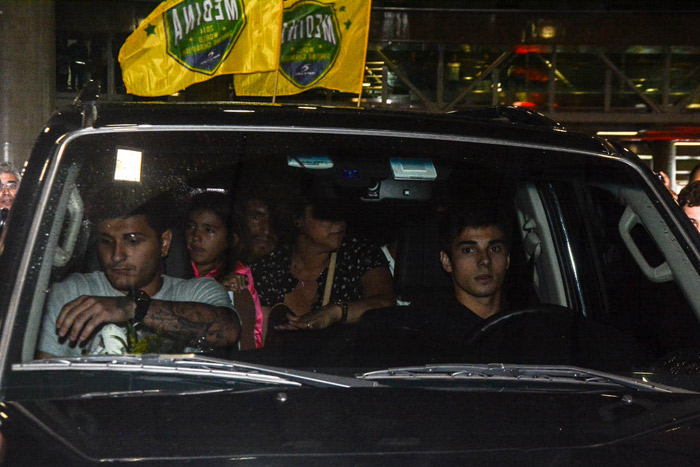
323 44
183 42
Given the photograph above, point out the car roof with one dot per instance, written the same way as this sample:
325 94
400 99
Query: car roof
500 125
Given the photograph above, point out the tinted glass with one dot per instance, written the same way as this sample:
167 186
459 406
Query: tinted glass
582 288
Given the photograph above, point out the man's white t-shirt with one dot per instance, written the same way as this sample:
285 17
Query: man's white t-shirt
205 290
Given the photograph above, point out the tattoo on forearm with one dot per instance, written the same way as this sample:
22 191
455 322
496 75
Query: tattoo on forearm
126 305
188 319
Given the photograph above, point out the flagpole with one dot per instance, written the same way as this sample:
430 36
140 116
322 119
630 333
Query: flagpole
274 94
362 78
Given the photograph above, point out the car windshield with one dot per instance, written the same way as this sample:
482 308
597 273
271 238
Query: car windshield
563 258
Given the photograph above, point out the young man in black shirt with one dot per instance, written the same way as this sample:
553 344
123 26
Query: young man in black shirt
475 252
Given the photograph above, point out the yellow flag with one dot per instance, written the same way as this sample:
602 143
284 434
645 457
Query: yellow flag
183 42
324 44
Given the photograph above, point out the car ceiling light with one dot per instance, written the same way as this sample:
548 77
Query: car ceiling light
687 143
128 165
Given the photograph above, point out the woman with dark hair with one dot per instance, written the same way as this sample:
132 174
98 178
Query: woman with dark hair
323 277
212 234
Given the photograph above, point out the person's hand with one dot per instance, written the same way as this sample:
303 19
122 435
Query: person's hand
79 319
312 321
235 282
667 183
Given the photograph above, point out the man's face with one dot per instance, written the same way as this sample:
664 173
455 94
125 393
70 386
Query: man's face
693 213
131 252
9 189
257 224
478 262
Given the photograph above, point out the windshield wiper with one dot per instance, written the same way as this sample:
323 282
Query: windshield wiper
194 365
517 373
158 392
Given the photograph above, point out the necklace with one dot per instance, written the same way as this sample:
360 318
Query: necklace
303 277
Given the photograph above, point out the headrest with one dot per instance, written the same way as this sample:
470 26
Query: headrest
418 271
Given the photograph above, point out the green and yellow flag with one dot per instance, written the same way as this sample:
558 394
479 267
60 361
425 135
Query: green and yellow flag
324 44
183 42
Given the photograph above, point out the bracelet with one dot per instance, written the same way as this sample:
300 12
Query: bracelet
343 311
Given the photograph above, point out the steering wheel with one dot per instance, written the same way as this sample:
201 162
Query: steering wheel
553 335
542 334
542 314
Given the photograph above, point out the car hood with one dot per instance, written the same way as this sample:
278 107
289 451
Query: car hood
346 426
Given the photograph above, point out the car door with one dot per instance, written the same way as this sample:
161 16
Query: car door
633 260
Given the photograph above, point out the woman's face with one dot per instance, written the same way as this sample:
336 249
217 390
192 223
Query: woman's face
207 239
325 233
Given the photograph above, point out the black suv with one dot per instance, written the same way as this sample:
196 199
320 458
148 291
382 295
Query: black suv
593 358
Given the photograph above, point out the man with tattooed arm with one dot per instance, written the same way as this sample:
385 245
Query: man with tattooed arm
130 291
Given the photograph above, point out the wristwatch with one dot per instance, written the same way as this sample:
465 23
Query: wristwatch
143 301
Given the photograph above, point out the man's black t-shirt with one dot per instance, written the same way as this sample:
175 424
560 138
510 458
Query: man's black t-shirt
443 322
433 329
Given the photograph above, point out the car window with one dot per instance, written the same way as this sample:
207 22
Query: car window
655 311
595 267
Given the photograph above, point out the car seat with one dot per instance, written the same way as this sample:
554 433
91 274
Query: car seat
418 273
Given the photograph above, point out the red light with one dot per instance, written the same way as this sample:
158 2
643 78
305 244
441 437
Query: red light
531 74
531 49
523 104
676 133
